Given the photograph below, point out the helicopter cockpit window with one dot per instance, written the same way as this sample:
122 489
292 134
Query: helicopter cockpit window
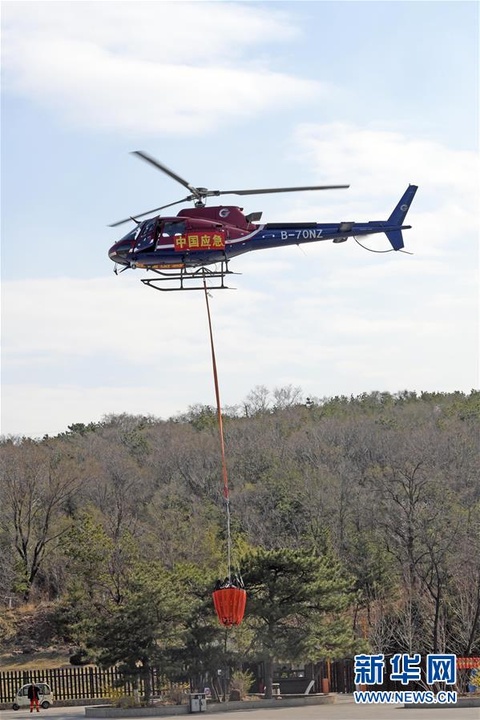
169 229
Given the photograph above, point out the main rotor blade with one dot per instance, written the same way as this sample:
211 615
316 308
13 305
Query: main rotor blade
167 171
262 191
162 207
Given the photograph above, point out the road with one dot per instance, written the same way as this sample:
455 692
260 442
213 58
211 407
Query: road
341 711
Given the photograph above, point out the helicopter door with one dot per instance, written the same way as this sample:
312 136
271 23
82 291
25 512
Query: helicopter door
169 230
146 237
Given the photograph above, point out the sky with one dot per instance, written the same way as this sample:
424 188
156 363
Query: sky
376 95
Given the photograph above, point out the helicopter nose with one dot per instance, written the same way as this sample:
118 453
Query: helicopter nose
117 257
118 252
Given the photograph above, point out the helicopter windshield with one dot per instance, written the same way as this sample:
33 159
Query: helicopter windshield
133 234
146 237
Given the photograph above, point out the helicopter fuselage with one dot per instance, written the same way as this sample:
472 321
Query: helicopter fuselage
203 236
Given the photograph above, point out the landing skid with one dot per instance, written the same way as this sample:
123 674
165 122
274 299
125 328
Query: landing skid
188 279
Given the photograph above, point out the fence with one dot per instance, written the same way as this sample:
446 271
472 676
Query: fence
75 683
92 682
339 673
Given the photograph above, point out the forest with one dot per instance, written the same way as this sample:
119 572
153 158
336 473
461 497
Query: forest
355 526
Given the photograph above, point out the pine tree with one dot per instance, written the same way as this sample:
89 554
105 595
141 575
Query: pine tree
297 606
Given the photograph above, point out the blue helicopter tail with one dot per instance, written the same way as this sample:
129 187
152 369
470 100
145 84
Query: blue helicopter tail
398 216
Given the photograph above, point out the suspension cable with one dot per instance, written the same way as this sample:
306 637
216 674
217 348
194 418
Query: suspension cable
220 429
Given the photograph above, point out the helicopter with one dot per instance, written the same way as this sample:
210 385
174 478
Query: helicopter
183 248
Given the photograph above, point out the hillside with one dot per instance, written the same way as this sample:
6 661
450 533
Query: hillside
43 660
388 485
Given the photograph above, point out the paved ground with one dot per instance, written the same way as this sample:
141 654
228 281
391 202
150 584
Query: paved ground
345 709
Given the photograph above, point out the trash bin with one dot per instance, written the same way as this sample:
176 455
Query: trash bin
276 691
198 702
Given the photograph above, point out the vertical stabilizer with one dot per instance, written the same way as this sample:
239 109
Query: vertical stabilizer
398 215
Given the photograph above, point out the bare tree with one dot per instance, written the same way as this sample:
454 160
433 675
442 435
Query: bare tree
38 481
257 401
288 396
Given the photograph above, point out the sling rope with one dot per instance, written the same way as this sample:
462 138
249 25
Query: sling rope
222 441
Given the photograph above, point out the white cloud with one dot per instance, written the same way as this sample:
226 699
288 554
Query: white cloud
116 317
75 350
382 161
35 410
179 68
379 164
154 31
